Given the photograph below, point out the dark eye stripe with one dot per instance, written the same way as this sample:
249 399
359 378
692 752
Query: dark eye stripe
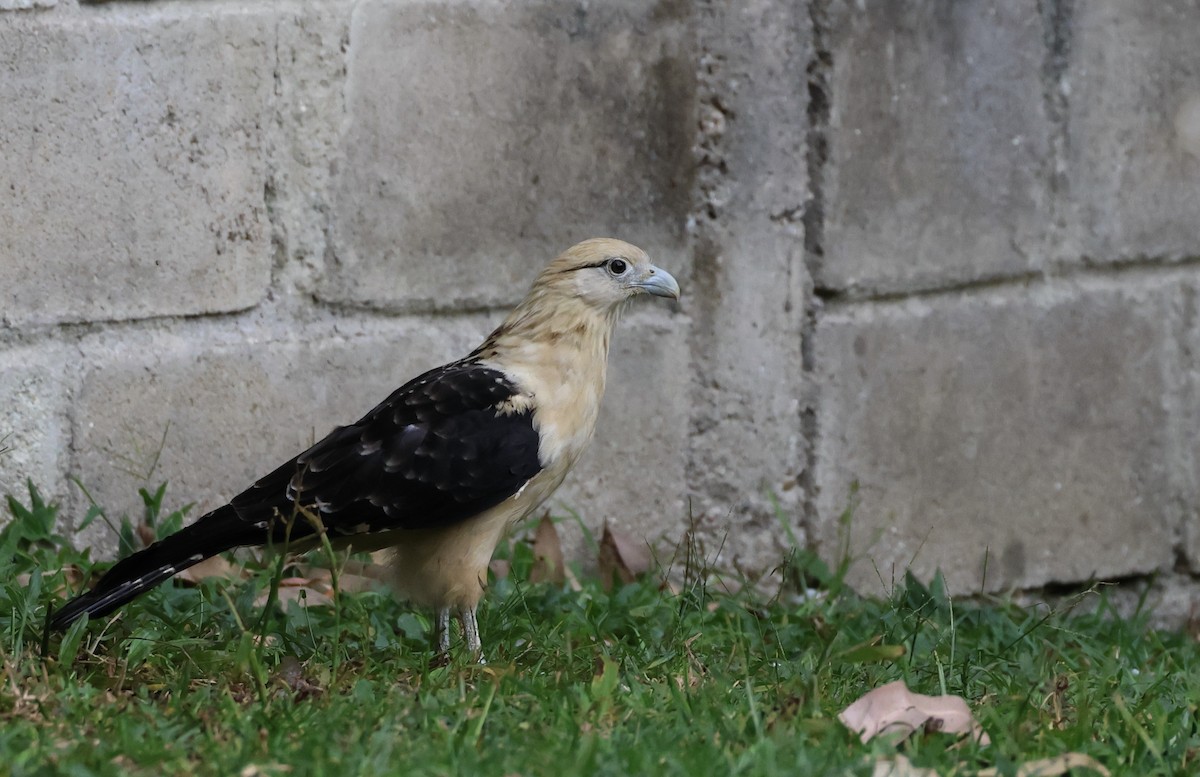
593 265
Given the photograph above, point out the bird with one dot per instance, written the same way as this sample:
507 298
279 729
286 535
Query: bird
442 468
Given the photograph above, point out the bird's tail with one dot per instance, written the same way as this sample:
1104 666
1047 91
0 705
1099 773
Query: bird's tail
215 532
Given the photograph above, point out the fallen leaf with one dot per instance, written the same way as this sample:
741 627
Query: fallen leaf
308 592
315 583
621 557
896 711
73 574
212 567
353 584
548 562
1051 767
353 578
380 571
146 535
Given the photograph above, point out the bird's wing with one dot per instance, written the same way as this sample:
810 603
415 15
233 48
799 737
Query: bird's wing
444 447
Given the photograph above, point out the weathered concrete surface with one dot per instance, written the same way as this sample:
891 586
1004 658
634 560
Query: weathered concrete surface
34 430
21 5
747 296
939 145
1186 457
1025 428
133 186
304 138
483 138
1134 112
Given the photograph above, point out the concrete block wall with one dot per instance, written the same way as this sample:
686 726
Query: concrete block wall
944 251
1002 340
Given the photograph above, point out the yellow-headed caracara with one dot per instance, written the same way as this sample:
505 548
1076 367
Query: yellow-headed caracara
447 463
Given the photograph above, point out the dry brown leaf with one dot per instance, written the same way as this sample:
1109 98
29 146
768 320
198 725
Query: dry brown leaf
379 571
307 591
353 584
72 575
1052 767
214 566
900 767
896 711
353 577
305 596
621 557
548 564
313 586
146 535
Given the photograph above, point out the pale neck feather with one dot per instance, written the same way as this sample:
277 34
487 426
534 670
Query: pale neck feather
557 351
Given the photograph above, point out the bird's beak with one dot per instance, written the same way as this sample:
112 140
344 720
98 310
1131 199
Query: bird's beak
660 283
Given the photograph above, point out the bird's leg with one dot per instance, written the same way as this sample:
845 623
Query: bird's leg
441 630
471 633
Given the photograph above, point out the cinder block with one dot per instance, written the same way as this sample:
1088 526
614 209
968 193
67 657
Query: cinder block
1134 115
746 441
34 432
1022 431
748 285
1187 417
209 416
22 5
633 475
938 164
310 99
484 137
753 118
132 164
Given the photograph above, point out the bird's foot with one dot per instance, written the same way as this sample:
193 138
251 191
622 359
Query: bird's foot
441 631
471 634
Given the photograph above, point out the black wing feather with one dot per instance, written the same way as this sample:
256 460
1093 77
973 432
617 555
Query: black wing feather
437 451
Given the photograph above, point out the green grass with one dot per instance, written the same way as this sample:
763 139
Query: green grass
637 681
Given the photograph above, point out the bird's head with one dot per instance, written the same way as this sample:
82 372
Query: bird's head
578 298
604 273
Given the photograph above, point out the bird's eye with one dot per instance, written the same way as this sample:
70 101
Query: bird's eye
617 266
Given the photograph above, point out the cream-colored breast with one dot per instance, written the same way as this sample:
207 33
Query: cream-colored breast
448 567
